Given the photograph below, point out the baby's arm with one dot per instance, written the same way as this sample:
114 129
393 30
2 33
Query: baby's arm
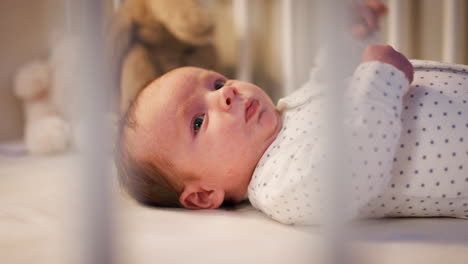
377 88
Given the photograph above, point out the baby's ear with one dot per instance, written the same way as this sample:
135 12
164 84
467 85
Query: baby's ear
195 196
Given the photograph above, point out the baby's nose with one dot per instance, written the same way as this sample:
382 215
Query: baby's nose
229 94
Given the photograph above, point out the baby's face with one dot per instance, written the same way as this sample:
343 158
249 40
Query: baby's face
207 126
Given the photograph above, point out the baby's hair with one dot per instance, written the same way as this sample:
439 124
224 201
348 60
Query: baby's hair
142 180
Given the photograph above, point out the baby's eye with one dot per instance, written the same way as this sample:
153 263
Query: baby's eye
218 85
198 122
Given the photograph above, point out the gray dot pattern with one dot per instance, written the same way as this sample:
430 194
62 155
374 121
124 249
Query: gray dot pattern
430 171
408 152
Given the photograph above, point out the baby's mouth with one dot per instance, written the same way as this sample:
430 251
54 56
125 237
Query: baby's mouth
251 108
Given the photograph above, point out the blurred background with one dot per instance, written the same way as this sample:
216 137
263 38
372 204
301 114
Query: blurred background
272 43
30 28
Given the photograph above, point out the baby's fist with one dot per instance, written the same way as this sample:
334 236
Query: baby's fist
386 54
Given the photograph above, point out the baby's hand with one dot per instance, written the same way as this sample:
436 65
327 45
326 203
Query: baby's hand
366 14
387 54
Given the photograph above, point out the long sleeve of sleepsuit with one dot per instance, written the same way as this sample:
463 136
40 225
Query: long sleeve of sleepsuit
287 182
376 95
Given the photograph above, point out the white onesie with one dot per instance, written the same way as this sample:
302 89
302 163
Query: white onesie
410 147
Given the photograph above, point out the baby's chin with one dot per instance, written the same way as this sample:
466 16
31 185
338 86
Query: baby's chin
271 122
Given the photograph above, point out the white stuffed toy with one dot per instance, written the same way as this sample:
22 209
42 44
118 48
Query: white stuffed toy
47 90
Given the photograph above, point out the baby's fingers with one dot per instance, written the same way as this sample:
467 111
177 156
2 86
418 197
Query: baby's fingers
360 31
366 17
377 7
369 18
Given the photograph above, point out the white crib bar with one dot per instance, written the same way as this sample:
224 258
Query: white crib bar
287 48
450 29
395 12
334 37
93 233
243 39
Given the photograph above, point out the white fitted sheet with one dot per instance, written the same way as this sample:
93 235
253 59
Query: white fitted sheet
35 197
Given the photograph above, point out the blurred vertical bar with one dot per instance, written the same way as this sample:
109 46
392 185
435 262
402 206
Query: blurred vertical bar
68 16
395 13
450 31
241 28
287 47
116 4
336 63
94 229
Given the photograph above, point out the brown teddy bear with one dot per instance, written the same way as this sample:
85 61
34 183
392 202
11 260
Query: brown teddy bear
151 37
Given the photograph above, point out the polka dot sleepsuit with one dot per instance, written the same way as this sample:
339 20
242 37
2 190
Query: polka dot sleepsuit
408 147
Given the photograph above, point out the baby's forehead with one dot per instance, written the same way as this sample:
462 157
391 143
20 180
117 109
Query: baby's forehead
184 72
178 82
174 87
173 80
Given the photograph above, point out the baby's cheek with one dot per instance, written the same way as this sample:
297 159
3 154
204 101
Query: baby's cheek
231 127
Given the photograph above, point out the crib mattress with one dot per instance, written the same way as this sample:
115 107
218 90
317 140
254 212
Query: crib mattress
35 199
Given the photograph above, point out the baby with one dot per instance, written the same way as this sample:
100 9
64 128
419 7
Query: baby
195 139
